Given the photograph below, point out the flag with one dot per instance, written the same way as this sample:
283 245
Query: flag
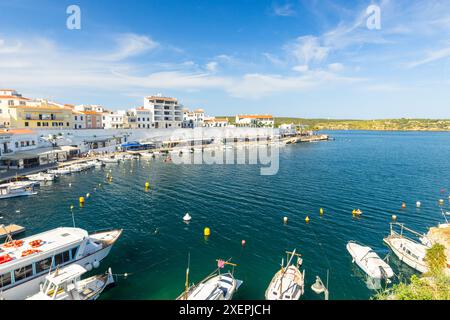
220 264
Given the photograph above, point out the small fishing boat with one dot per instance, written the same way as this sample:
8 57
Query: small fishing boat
216 286
357 212
41 176
369 261
408 250
10 230
11 192
289 282
66 284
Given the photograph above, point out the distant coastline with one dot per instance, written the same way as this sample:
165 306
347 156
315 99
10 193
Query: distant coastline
402 124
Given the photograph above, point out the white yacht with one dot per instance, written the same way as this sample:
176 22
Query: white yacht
289 282
10 192
369 261
408 250
109 160
216 286
41 176
66 284
25 263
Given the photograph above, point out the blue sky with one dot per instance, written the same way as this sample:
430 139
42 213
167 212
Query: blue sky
306 58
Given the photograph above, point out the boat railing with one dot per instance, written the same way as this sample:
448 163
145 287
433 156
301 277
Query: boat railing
402 229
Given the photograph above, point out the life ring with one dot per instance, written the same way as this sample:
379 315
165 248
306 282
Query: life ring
36 243
14 243
30 251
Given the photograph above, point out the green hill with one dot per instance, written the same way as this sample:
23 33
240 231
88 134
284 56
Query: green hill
379 124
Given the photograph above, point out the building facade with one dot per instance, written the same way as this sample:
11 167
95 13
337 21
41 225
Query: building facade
165 111
255 121
193 119
9 98
214 122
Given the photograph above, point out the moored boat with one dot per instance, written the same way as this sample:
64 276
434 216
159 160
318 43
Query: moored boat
216 286
289 282
408 250
25 263
11 192
66 284
369 261
42 176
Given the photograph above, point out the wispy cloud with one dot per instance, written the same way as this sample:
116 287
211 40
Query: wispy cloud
285 10
431 56
130 45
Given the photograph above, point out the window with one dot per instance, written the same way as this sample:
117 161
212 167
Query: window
17 144
62 258
23 273
73 253
26 124
43 265
22 143
76 118
68 124
38 124
5 279
28 143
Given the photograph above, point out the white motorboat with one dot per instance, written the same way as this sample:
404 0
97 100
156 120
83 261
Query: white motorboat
369 261
75 168
289 282
25 263
216 286
41 176
146 155
408 250
21 184
109 160
66 284
60 171
10 192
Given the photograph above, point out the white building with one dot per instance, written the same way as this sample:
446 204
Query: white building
214 122
90 107
9 98
114 120
165 111
193 119
141 118
255 121
79 121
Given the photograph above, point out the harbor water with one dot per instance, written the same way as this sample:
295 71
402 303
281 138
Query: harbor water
373 171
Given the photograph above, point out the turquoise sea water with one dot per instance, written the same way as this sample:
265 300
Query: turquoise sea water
374 171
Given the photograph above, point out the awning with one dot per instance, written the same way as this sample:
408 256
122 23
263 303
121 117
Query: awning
36 153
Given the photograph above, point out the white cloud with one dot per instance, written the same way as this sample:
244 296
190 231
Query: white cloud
431 56
211 66
336 67
283 10
301 68
307 49
130 45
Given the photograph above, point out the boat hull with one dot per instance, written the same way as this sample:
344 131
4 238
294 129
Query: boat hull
27 288
421 267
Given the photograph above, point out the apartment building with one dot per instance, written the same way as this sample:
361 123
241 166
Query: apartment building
114 120
214 122
165 111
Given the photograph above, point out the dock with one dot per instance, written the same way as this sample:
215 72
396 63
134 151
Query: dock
11 229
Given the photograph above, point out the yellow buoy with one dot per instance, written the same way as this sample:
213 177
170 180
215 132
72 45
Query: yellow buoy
81 199
307 219
147 185
71 207
321 211
394 217
285 219
206 232
88 195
